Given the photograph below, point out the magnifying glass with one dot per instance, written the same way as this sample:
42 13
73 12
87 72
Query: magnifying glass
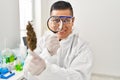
54 24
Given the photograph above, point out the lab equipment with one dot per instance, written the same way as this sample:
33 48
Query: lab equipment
55 23
5 73
8 56
18 65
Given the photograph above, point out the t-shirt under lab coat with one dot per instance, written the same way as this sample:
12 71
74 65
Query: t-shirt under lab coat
73 60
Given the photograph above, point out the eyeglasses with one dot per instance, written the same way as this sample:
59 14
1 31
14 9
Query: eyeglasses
65 19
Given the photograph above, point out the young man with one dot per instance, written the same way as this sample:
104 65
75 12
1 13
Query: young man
62 55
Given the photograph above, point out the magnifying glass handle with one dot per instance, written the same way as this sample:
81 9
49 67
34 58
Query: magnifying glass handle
61 24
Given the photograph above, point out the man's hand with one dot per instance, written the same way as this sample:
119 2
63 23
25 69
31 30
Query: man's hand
52 44
34 63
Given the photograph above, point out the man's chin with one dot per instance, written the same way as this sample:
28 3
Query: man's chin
61 36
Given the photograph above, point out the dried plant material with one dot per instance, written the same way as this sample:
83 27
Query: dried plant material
31 37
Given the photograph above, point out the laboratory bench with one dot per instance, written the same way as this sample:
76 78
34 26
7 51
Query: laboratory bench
11 65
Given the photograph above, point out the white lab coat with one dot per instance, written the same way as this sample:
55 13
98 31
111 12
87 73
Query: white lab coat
73 60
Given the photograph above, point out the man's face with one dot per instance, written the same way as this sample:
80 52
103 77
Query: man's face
67 28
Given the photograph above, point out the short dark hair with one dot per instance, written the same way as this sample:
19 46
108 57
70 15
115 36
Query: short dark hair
61 5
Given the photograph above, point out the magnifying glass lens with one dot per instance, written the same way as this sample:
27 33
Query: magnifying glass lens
54 24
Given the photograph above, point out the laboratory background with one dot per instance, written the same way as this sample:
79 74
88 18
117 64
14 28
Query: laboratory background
97 21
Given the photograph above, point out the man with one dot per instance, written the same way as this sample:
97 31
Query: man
62 55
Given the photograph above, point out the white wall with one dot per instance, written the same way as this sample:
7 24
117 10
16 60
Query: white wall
9 23
98 22
100 25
